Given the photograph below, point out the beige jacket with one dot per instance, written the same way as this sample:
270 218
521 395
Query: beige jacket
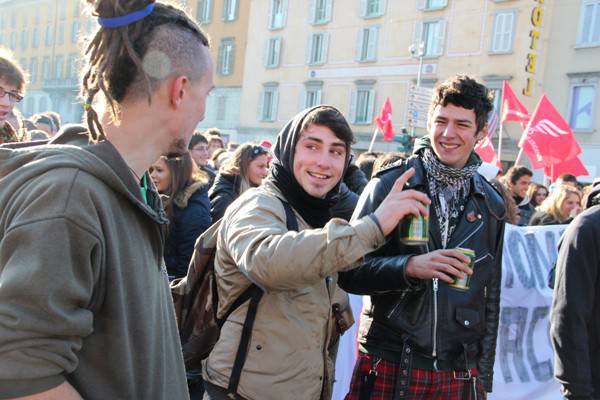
288 355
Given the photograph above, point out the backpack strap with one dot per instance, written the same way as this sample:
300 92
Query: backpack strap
254 293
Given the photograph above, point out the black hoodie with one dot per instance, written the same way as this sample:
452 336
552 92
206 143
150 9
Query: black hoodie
575 315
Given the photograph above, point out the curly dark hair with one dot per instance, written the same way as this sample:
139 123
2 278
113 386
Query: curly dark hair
464 91
118 60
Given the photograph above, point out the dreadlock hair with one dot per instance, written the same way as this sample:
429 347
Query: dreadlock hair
464 91
132 60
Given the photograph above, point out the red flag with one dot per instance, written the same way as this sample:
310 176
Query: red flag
548 138
384 120
486 151
512 109
572 166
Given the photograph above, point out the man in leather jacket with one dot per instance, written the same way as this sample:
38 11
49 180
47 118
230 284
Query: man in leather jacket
420 337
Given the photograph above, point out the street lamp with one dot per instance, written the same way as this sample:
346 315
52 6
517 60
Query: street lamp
417 50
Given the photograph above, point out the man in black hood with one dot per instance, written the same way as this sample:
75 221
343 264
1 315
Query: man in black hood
575 314
289 354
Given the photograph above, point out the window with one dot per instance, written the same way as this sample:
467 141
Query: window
24 38
362 103
230 10
583 98
204 11
431 33
372 8
72 66
433 4
320 12
74 31
226 56
76 9
13 40
367 44
49 35
267 105
312 94
317 48
59 63
504 27
589 24
277 14
35 37
46 68
273 52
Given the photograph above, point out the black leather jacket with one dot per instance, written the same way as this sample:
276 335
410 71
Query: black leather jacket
445 323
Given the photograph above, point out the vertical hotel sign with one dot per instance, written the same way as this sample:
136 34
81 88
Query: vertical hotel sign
537 18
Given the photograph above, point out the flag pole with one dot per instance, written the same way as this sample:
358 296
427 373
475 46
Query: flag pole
519 156
373 140
500 143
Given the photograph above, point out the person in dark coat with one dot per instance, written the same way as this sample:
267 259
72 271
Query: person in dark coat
246 168
198 148
517 180
420 337
575 313
186 202
563 204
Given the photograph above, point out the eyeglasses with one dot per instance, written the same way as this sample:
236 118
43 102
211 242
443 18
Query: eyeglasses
13 97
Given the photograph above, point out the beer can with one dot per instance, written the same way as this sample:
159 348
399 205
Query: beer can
414 229
464 283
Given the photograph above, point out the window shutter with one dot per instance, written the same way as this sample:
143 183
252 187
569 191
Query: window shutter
363 8
271 13
418 34
352 111
439 41
274 104
510 29
422 4
325 44
371 106
261 101
319 96
328 10
285 10
372 45
231 59
382 6
309 46
303 97
359 44
220 58
209 9
277 49
312 12
236 7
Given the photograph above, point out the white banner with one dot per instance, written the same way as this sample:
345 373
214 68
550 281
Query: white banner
524 357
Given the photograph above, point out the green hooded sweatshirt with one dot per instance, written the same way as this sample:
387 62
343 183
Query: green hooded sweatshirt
84 296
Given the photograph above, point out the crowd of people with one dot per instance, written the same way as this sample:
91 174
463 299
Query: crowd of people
97 218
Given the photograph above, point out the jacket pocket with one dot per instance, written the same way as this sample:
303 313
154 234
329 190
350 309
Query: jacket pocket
467 318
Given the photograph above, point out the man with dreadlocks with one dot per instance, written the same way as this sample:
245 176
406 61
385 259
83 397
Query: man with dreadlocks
421 338
85 307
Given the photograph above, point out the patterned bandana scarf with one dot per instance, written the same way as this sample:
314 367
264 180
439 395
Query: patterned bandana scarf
449 188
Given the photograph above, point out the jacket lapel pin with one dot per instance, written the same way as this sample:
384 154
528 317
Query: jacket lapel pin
471 216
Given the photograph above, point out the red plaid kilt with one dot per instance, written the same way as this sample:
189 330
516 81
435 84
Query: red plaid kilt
423 385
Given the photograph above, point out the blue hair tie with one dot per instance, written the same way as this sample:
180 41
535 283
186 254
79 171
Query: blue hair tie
127 19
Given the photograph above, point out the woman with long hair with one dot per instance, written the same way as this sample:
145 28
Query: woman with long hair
185 190
246 168
537 193
563 204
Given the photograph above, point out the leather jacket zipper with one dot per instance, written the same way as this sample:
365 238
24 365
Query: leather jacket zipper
471 234
435 316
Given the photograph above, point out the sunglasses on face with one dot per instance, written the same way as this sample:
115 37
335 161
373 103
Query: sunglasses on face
13 97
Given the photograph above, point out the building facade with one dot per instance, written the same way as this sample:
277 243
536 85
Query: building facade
353 54
44 37
226 21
